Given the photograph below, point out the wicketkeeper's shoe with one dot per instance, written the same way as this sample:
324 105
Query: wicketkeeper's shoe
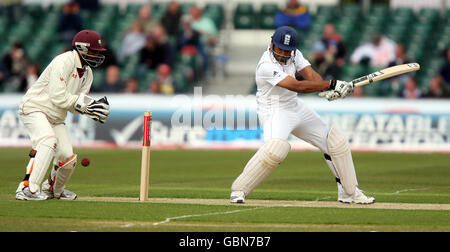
358 197
26 194
65 195
237 197
47 189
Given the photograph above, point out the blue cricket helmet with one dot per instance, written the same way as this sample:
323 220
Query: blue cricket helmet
285 38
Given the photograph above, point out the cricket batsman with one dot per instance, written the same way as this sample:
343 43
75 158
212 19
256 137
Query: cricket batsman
281 113
63 86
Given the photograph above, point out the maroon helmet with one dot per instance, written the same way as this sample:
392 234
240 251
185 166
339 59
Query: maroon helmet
89 45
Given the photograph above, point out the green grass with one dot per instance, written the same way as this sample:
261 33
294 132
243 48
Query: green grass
390 177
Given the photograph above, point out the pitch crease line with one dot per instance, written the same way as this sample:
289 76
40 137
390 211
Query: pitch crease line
167 220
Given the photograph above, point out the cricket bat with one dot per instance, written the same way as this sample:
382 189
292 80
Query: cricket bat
383 74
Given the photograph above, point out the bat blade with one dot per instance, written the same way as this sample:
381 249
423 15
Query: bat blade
382 74
385 73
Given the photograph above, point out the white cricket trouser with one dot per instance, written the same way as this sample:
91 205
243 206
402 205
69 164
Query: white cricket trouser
39 129
277 124
298 120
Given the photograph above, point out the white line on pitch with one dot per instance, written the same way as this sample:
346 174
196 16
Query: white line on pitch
167 220
407 190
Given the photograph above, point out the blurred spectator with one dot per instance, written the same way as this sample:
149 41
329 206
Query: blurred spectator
437 89
411 91
4 73
334 44
13 9
187 36
188 41
132 86
295 14
151 55
70 22
160 34
91 5
133 42
378 53
156 51
110 56
113 83
164 83
15 62
204 25
323 62
400 56
171 19
445 70
33 72
146 20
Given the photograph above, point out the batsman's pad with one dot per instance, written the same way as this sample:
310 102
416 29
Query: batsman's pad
341 157
268 157
61 174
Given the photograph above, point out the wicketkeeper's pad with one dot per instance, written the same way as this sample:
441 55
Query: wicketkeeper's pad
60 175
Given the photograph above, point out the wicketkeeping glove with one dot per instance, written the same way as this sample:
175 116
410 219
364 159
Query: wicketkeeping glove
97 110
82 102
100 109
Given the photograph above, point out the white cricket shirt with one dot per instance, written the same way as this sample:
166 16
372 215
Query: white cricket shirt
58 87
269 72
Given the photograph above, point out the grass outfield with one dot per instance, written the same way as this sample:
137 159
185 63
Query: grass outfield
187 174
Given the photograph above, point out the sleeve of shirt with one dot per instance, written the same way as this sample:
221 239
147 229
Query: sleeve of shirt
57 88
300 61
270 73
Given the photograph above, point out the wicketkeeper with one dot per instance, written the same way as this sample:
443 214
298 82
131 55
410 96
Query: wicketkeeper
281 113
63 86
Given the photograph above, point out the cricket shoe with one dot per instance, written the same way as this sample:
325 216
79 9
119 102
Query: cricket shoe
237 197
65 195
47 189
26 194
358 197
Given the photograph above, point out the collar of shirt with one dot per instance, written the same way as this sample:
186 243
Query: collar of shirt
81 71
77 59
80 68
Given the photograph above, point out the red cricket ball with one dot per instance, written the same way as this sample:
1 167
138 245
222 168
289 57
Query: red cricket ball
85 162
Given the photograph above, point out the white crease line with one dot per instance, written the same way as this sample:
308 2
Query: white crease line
207 214
322 198
407 190
127 225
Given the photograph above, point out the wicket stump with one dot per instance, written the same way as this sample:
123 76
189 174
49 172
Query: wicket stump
145 162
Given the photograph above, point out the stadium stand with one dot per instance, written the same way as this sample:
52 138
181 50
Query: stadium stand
424 32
